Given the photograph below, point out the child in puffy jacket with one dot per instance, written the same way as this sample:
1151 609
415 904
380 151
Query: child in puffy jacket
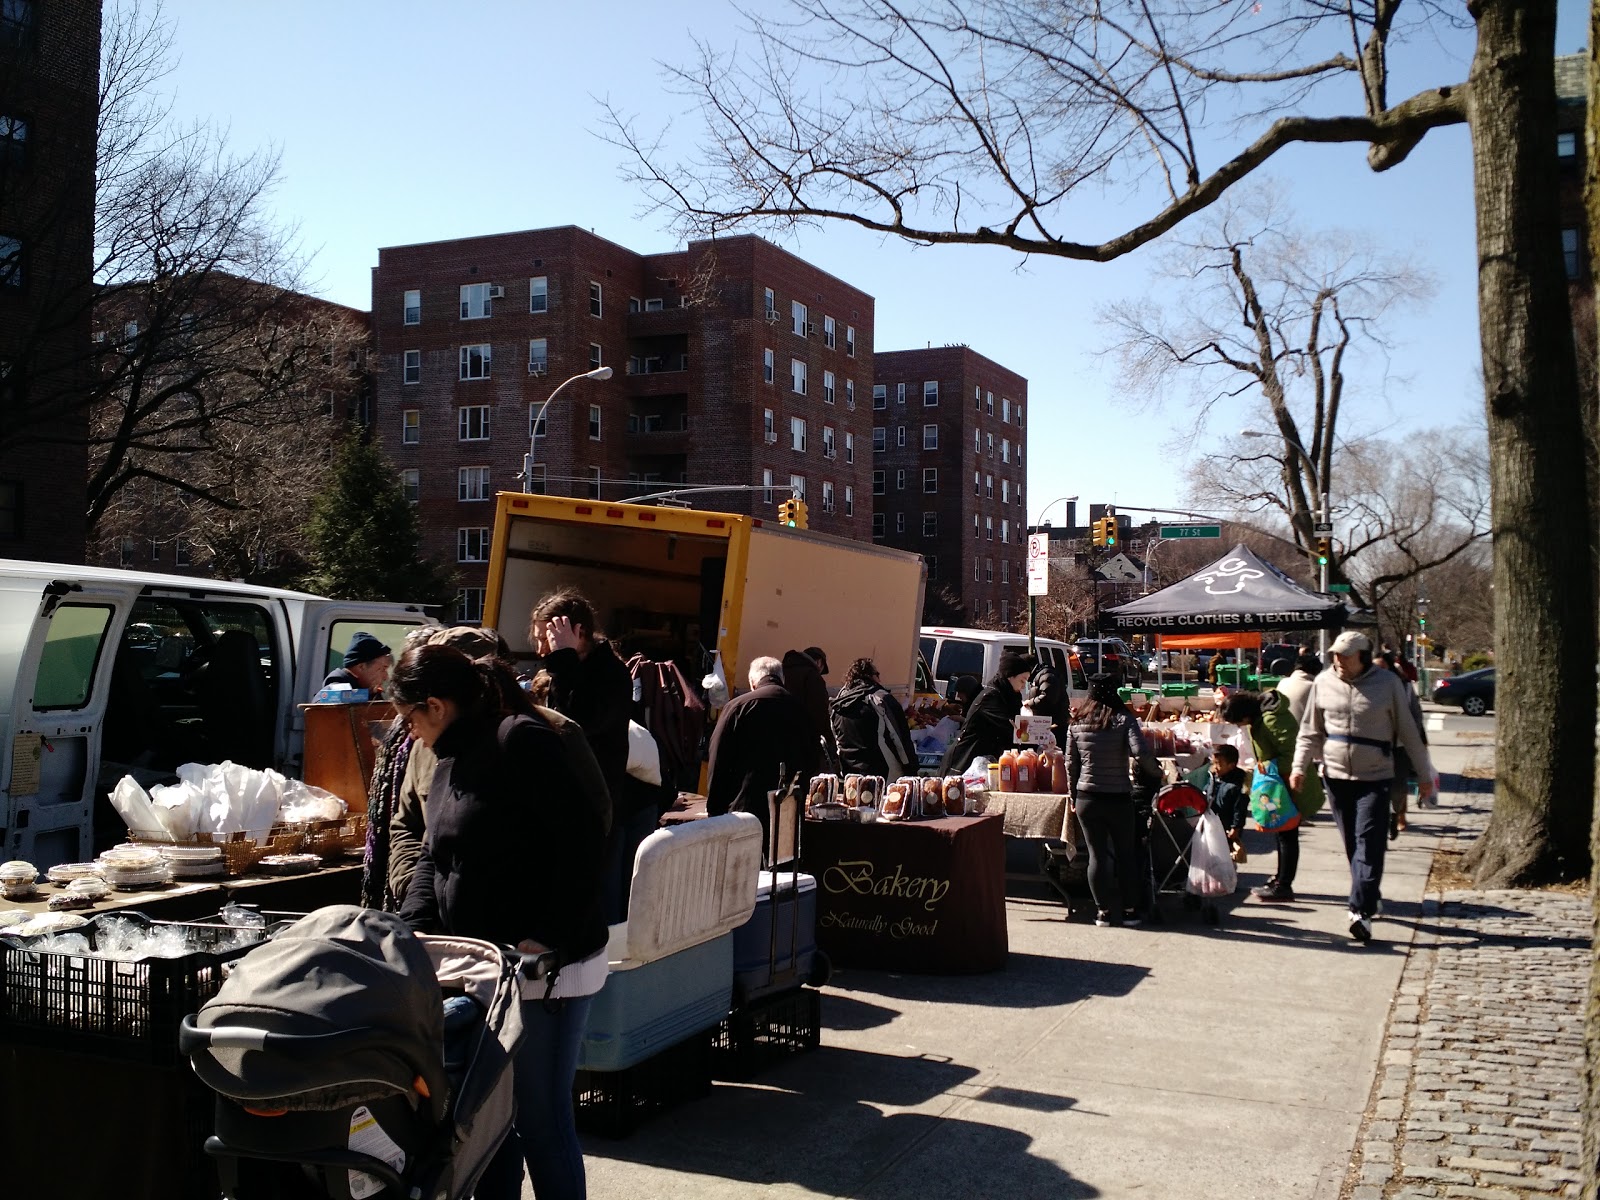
1229 793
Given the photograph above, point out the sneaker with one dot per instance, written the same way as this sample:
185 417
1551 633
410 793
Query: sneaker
1394 826
1273 892
1360 928
1131 919
1377 908
1102 918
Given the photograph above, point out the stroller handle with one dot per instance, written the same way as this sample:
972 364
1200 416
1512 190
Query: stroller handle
191 1039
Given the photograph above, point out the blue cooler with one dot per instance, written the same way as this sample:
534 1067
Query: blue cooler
645 1009
761 968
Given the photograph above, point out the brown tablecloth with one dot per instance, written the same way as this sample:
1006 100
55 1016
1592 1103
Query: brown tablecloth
920 896
1029 814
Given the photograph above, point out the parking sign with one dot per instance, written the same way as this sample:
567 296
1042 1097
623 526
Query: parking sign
1038 564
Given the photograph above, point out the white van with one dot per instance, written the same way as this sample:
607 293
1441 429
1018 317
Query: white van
953 652
106 673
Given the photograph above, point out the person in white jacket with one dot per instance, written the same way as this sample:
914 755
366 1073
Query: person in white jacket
1355 717
1295 687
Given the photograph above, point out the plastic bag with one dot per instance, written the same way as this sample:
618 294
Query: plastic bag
644 756
716 682
178 807
133 805
1211 869
1271 806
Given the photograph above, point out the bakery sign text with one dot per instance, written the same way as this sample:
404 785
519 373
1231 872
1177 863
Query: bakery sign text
860 877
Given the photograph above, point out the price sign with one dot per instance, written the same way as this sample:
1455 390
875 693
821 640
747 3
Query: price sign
1038 564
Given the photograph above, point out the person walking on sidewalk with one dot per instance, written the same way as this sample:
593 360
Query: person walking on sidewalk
1357 715
1269 716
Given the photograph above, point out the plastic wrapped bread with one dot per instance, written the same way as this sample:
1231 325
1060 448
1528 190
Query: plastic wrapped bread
955 796
869 791
902 798
933 796
824 790
851 794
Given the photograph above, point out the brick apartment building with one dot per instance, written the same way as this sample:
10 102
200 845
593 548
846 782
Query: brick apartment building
948 441
49 103
1572 107
735 363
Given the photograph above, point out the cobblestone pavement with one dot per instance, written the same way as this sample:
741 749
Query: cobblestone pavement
1478 1091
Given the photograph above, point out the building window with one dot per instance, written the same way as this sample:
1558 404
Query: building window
594 299
766 483
1005 491
11 271
536 423
475 301
878 485
472 423
977 442
535 484
1019 418
413 308
766 366
1005 570
988 529
988 441
988 570
411 484
469 605
850 340
539 294
1005 610
475 361
899 393
975 527
411 426
849 447
827 332
879 444
850 394
1566 145
125 552
472 483
1005 410
594 483
976 571
900 480
771 304
900 437
797 375
181 553
769 426
930 394
797 486
596 356
827 496
930 437
988 403
977 399
797 433
411 368
988 487
930 524
1569 252
633 305
594 422
827 442
977 484
930 479
472 543
1005 530
880 397
877 525
538 356
899 522
1005 450
827 387
933 566
13 140
849 500
797 317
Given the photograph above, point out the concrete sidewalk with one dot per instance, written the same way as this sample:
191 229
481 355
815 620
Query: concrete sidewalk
1174 1060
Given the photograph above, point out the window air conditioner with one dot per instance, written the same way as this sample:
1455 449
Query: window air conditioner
827 452
772 314
537 367
771 438
496 292
811 329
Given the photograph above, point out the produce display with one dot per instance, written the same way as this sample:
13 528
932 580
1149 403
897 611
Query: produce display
1030 770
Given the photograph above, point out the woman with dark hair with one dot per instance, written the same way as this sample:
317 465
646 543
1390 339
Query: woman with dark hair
990 725
512 855
1103 741
1273 730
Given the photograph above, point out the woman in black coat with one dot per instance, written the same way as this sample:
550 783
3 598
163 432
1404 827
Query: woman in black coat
514 854
990 726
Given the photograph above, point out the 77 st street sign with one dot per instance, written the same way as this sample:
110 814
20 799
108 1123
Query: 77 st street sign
1191 531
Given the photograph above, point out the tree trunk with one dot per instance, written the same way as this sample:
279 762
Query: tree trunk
1545 629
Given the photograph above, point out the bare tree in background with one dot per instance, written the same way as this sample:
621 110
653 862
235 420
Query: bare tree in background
950 124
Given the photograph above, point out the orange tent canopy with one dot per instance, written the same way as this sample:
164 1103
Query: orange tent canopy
1208 641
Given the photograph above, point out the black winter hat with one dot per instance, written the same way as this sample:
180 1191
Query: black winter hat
364 648
1012 663
1103 690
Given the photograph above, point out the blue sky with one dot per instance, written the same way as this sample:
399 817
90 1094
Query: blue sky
397 125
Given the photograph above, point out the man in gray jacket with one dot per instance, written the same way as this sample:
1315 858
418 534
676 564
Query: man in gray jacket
1354 719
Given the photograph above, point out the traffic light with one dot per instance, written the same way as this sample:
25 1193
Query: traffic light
799 521
1098 533
786 512
1422 620
1324 549
1111 529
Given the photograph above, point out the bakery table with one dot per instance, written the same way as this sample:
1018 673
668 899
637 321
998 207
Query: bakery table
1029 814
915 896
196 899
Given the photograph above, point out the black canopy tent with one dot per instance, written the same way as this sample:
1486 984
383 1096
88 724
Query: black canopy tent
1239 592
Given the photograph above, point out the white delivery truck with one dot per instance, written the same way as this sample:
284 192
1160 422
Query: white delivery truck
105 673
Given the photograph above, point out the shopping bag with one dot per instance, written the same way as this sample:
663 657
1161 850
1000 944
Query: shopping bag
1211 869
1271 806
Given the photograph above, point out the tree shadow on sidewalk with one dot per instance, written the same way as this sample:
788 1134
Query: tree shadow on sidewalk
1026 981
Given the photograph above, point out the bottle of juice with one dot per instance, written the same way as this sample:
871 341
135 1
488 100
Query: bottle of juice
1008 771
1027 769
1058 772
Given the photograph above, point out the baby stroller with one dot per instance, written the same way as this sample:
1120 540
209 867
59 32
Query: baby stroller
1174 814
342 1070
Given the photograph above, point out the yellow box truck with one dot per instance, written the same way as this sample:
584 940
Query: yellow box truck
666 580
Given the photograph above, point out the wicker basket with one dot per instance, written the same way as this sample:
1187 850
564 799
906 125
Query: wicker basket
240 851
334 840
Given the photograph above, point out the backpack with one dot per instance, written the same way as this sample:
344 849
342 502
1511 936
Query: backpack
674 714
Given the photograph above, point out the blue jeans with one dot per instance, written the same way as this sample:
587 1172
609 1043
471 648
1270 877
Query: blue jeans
543 1133
1361 812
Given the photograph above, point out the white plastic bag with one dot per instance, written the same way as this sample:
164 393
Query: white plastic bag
716 682
1211 868
644 756
178 807
133 805
301 802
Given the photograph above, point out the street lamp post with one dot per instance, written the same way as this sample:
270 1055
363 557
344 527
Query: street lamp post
1323 515
599 375
1033 601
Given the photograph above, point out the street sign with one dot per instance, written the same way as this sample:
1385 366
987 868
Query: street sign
1322 529
1038 564
1191 531
1338 587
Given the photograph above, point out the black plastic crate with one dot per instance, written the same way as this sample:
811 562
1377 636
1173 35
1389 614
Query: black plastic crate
612 1103
765 1031
109 1007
